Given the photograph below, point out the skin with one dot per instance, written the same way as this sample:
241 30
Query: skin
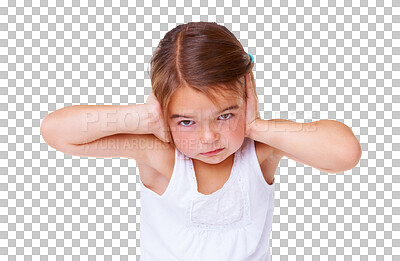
207 129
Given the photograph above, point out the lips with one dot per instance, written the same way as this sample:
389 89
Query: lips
211 153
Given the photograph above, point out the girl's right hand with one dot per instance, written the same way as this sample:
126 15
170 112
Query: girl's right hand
157 124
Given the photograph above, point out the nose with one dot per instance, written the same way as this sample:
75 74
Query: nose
208 134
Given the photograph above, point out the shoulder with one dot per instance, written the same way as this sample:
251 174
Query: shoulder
266 152
160 159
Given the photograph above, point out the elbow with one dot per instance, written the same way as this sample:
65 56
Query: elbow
44 128
353 149
355 153
47 131
356 156
46 135
352 159
349 161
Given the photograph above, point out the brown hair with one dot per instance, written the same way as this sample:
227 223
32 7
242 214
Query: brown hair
204 56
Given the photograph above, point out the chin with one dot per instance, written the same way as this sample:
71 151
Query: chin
212 160
216 159
230 148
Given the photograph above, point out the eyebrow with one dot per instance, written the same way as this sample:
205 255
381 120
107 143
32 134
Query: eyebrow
233 107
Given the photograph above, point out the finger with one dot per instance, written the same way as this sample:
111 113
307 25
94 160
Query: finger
166 135
167 138
253 83
166 132
149 98
248 85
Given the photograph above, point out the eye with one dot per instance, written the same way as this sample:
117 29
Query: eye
179 123
227 114
224 117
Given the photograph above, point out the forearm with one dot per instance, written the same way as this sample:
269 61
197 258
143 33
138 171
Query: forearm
80 124
324 144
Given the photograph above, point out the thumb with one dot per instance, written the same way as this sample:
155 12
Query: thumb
164 135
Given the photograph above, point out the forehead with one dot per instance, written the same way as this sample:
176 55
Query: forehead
186 99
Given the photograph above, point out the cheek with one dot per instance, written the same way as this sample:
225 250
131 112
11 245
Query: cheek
180 136
237 131
236 126
180 132
185 140
186 144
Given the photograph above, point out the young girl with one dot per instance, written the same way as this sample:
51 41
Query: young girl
206 160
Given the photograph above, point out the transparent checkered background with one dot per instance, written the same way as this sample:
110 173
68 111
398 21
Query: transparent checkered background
335 60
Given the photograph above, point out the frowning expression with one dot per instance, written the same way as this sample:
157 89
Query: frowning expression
198 125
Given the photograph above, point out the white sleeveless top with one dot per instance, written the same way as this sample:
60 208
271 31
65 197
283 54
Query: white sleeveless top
233 223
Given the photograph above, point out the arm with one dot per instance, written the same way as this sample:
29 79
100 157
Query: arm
326 145
81 124
103 130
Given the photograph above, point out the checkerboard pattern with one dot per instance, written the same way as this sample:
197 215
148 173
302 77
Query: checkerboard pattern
314 60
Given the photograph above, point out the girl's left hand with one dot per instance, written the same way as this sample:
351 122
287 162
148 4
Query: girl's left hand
252 112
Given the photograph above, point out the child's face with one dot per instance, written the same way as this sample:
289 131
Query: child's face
206 127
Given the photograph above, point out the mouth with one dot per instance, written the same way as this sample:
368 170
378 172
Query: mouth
212 152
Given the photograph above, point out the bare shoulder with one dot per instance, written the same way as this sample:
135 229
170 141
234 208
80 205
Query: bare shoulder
269 158
266 152
156 170
160 159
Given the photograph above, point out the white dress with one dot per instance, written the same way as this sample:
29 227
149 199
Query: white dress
233 223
